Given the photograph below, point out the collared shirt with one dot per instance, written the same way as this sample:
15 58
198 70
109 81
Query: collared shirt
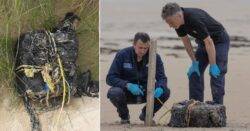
199 24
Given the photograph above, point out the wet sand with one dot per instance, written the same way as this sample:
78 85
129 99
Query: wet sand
120 20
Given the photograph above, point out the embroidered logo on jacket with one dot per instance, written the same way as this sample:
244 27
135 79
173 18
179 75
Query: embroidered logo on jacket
127 65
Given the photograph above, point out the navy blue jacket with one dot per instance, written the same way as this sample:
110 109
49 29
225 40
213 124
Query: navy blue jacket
124 70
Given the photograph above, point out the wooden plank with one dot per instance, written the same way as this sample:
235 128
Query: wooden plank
151 83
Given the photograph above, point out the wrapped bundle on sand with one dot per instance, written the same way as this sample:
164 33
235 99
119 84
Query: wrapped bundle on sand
197 114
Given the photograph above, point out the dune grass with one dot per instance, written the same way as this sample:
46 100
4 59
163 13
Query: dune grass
20 16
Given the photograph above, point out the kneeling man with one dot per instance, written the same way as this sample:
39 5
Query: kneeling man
128 76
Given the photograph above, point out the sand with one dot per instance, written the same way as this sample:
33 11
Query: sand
81 114
120 20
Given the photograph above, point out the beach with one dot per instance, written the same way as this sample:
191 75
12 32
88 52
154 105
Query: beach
120 20
81 113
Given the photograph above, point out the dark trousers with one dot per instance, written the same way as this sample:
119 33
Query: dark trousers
120 98
196 83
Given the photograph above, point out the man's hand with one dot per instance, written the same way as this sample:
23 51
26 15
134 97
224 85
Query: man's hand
214 70
194 68
195 64
158 92
134 89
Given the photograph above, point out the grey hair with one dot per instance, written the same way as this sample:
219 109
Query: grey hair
170 9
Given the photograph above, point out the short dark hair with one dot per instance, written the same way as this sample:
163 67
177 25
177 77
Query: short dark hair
144 37
169 10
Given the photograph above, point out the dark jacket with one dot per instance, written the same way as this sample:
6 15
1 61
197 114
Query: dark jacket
124 70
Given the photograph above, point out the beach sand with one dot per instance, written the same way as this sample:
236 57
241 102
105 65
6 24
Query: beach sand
81 114
120 20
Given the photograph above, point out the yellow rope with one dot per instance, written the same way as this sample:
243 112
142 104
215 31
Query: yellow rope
190 106
63 78
28 66
47 78
64 88
47 99
29 70
160 101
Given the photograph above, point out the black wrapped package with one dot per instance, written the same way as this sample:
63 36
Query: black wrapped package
46 60
197 114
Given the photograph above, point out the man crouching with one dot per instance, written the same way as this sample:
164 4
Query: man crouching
128 76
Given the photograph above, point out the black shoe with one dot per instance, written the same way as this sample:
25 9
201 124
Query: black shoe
142 118
125 121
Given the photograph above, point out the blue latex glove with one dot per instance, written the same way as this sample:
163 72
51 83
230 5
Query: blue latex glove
214 70
158 92
134 89
194 68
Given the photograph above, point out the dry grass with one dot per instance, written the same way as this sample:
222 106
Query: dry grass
20 16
